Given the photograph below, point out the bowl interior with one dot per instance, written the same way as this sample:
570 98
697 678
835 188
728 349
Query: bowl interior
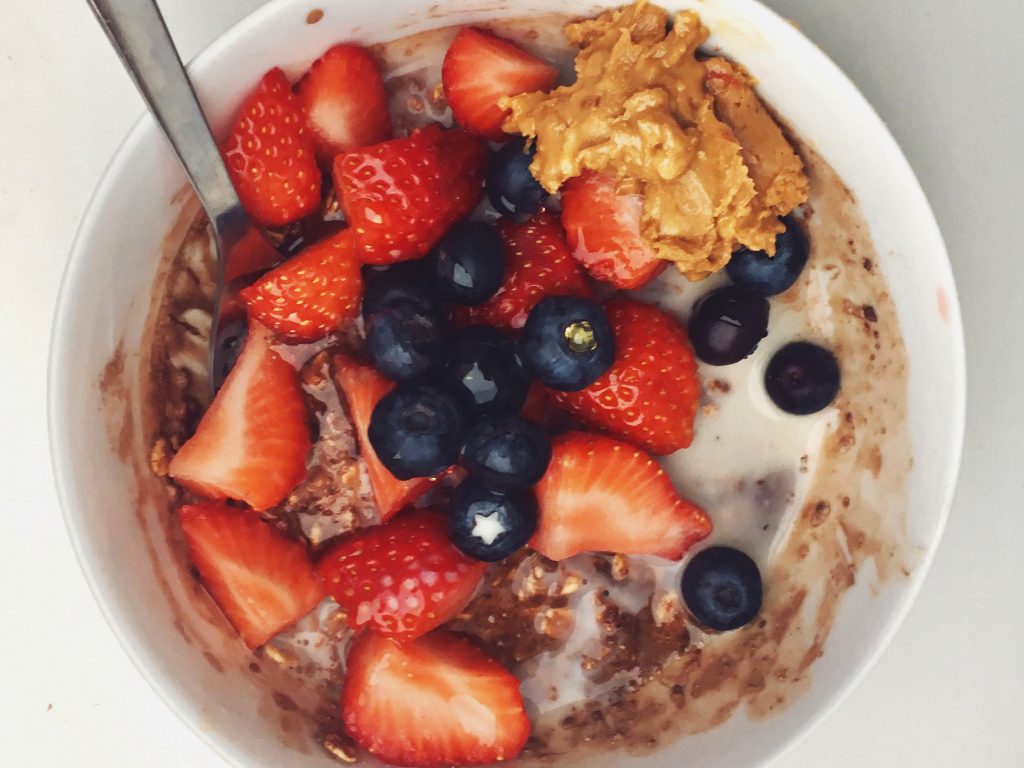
104 304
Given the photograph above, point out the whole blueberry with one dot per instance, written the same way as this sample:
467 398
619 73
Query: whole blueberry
487 525
506 453
485 372
405 341
468 263
409 280
416 430
567 342
802 378
722 588
510 186
727 325
770 275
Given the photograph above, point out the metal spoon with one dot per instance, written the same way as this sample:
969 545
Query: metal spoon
138 33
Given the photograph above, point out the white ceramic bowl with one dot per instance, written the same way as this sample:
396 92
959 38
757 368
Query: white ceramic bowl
104 298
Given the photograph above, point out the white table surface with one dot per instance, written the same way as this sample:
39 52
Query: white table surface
946 76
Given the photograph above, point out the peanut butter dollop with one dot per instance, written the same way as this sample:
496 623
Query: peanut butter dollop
691 136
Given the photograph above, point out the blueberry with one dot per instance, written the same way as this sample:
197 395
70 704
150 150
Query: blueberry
567 342
511 187
416 430
469 263
506 452
405 341
722 588
485 372
406 280
487 525
727 325
769 275
802 378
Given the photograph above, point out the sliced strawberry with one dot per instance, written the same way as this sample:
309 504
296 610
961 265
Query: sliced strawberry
602 495
252 442
402 578
435 701
650 394
270 155
344 100
465 157
362 388
262 581
479 69
310 295
253 253
538 264
603 231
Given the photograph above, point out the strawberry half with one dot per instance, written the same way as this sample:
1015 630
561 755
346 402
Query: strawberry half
603 231
401 196
435 701
538 264
262 581
270 155
479 69
650 394
309 295
252 442
362 388
603 495
344 100
402 578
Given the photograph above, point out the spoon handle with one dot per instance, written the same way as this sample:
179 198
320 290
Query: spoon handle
139 35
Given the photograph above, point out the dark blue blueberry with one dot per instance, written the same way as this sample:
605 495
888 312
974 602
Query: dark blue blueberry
802 378
469 263
769 275
405 341
727 325
567 343
406 280
417 430
506 452
722 588
487 525
484 371
510 186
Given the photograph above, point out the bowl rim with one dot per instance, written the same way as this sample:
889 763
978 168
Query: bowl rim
62 329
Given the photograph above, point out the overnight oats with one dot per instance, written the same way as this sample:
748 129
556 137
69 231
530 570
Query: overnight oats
564 409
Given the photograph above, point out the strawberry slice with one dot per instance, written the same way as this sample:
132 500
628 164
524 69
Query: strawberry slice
252 442
403 578
538 264
262 581
603 231
650 394
344 100
479 69
465 157
603 495
435 701
270 156
362 388
310 295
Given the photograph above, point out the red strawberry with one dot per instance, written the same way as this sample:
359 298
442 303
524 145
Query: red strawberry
253 253
603 231
650 394
270 156
344 100
363 387
402 578
602 495
538 264
262 581
436 701
252 442
309 296
465 157
479 69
